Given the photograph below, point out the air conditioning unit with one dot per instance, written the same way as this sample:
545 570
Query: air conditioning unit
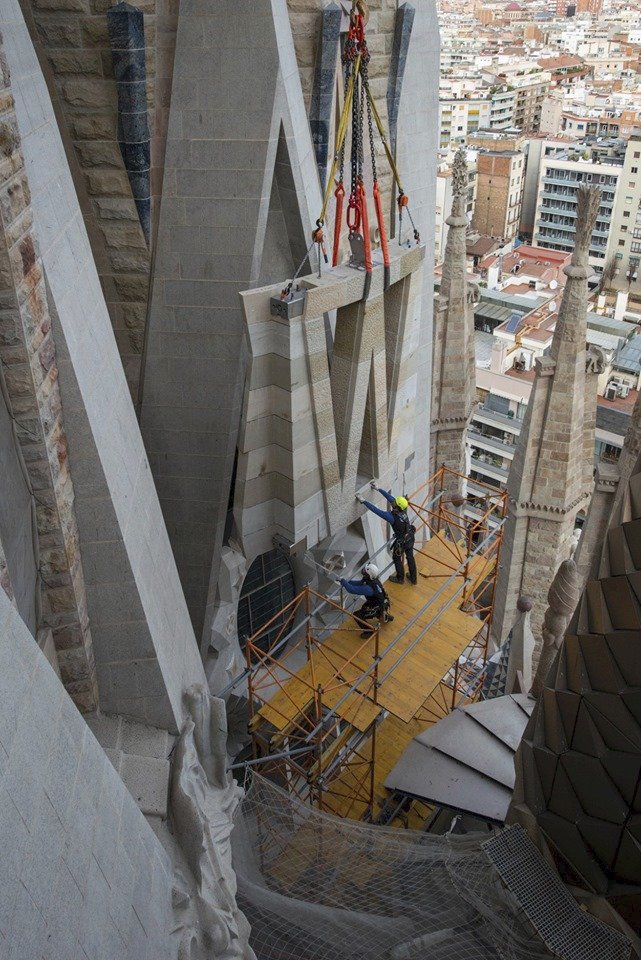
624 390
611 392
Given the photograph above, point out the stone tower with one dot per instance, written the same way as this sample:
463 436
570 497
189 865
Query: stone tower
453 382
548 483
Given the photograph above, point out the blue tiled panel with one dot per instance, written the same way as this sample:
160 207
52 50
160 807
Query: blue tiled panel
127 40
402 33
320 108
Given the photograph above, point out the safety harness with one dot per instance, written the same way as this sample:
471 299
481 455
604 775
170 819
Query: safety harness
404 532
377 605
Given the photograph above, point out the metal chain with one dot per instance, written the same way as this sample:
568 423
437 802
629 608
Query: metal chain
370 126
354 153
348 73
361 114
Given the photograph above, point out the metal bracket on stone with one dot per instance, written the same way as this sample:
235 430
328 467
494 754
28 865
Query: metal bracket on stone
290 549
357 246
288 309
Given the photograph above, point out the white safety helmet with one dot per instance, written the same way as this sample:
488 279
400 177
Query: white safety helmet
371 570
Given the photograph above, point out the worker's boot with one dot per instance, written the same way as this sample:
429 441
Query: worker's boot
413 582
397 579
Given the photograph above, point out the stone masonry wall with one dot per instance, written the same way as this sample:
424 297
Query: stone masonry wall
73 37
28 356
82 873
140 627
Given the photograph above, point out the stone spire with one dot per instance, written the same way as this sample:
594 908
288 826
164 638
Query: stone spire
453 379
563 597
548 482
578 766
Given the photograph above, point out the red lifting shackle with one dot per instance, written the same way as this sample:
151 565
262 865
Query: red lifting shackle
354 214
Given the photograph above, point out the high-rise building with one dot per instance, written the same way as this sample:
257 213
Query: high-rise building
555 217
624 242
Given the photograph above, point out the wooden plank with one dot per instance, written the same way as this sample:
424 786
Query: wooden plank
296 695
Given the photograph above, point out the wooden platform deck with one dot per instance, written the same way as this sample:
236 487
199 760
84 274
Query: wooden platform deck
428 634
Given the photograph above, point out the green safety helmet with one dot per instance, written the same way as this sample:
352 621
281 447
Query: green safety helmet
402 503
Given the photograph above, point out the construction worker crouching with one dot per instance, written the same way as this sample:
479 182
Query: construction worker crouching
376 606
403 530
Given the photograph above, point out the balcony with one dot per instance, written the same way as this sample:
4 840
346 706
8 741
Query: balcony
489 469
575 182
493 418
493 444
568 209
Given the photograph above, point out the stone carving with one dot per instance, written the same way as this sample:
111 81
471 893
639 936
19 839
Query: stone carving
588 202
473 292
521 650
563 597
203 799
459 173
632 442
594 360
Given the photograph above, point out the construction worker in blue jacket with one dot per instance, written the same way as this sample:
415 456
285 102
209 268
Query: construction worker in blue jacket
376 606
403 530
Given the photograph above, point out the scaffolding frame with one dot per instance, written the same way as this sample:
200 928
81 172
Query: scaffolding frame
314 713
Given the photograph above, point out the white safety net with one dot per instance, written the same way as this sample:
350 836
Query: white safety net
317 887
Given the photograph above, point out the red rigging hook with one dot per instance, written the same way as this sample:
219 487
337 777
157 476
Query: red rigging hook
367 240
378 204
339 193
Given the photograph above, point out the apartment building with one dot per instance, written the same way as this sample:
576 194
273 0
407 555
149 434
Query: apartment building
461 117
531 90
502 106
555 214
537 148
594 7
505 372
499 193
624 245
